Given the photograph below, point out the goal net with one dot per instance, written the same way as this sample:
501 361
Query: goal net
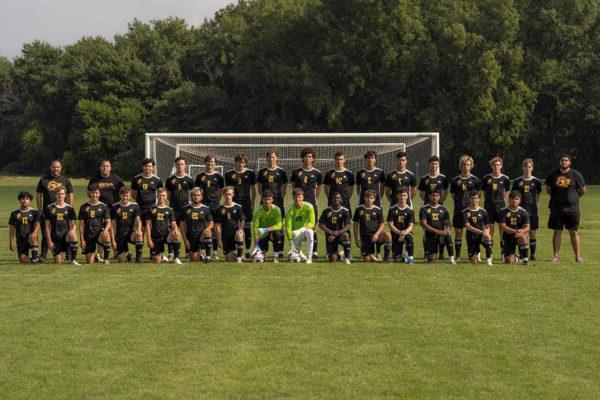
165 147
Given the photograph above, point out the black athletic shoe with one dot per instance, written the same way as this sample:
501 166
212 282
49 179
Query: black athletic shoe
138 260
532 258
129 258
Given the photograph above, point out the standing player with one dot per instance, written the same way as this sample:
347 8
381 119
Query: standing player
514 225
196 227
144 187
230 226
46 194
24 223
61 227
401 179
161 228
565 186
495 187
178 185
435 221
530 189
434 181
267 225
401 219
477 225
126 227
211 182
300 224
369 229
108 183
460 187
94 226
274 179
370 178
309 179
335 222
340 181
243 180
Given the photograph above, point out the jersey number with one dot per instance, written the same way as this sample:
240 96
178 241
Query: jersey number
435 217
495 186
194 216
334 220
124 215
513 221
160 217
24 220
367 217
401 219
92 214
526 189
60 217
145 186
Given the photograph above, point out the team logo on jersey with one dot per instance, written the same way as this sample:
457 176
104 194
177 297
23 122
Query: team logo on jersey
333 174
18 216
362 175
508 215
521 183
489 181
223 211
154 211
266 173
189 211
233 176
203 178
468 214
174 181
329 214
361 213
563 182
140 181
53 185
429 211
87 209
300 173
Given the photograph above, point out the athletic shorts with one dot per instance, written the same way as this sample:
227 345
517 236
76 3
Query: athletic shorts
474 243
396 243
194 243
431 244
274 236
123 243
368 247
247 209
159 245
90 243
458 221
560 220
228 239
23 246
495 215
60 245
144 215
510 244
332 246
534 222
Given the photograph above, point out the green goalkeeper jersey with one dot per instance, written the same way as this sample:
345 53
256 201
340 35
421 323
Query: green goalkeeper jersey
296 218
266 219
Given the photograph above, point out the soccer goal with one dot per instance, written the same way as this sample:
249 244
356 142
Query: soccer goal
164 147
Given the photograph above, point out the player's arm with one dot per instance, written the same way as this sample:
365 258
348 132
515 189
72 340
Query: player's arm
38 200
71 199
219 234
327 231
409 229
284 190
473 229
74 227
356 234
183 230
378 232
253 195
288 224
506 229
326 187
429 228
36 229
12 232
393 228
47 230
149 233
413 192
81 231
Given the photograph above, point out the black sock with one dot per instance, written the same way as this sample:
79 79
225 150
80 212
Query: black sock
441 249
457 247
239 248
176 247
488 249
502 248
248 236
106 250
139 246
378 247
386 250
410 245
532 245
73 252
316 243
448 244
523 251
400 250
346 245
207 247
34 252
170 248
215 244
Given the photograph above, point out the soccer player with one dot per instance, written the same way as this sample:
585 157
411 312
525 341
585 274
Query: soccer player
46 195
460 187
435 221
309 179
496 187
401 219
514 224
369 229
108 183
211 182
267 225
144 187
434 181
370 178
126 227
230 220
94 226
565 186
477 224
335 222
243 180
178 186
299 225
530 189
161 228
339 181
274 179
61 227
24 223
401 179
197 226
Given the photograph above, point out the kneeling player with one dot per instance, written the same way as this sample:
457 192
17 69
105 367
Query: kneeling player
61 227
230 227
335 222
514 224
299 225
161 228
401 219
267 225
477 224
126 227
24 224
435 221
369 229
94 225
196 227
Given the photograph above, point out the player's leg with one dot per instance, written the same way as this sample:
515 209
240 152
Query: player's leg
397 247
409 243
331 245
104 241
89 251
122 249
473 247
32 241
315 242
557 224
386 240
137 238
430 246
510 245
534 222
23 251
347 246
206 240
277 237
248 237
523 244
157 251
458 224
72 248
447 241
572 225
174 239
239 239
367 250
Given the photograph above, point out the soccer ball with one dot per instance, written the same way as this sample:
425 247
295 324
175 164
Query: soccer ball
258 256
294 256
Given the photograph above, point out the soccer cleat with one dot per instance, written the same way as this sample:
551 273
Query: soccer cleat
452 260
410 260
238 260
106 261
138 260
347 261
171 258
554 259
524 261
177 261
309 261
207 260
275 260
578 259
532 258
489 261
302 256
74 262
315 255
165 258
478 257
248 256
129 258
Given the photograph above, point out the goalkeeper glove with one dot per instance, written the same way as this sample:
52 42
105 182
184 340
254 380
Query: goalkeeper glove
264 231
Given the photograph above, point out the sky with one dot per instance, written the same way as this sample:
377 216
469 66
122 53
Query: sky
63 22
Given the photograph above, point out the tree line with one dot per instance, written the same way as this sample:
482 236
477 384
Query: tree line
519 78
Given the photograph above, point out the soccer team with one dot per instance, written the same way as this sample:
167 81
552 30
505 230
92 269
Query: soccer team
214 211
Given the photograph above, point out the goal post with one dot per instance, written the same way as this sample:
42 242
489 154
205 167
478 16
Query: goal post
165 147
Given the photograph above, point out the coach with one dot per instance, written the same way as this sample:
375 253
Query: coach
108 183
565 186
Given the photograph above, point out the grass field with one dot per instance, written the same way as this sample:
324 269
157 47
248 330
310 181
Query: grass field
302 331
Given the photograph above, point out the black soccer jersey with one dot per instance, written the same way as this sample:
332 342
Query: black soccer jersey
370 180
478 218
335 220
564 190
48 184
109 187
60 219
273 180
24 221
307 180
437 217
179 191
211 184
230 218
94 217
397 180
429 184
529 189
494 189
123 218
460 188
242 182
161 218
515 219
401 217
339 181
196 219
145 189
369 220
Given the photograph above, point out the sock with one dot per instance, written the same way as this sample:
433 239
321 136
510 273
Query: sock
502 247
239 248
378 247
410 245
170 248
138 250
532 245
386 250
488 249
275 254
34 252
441 249
457 247
315 243
523 251
215 244
106 250
248 236
311 243
346 246
400 250
207 246
448 244
176 246
73 252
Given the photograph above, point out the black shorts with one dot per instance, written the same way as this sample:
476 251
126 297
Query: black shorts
316 209
123 243
159 245
90 243
228 239
332 246
510 244
559 220
60 245
144 215
494 214
431 244
23 246
279 203
274 236
368 246
457 221
396 243
247 209
474 243
194 243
